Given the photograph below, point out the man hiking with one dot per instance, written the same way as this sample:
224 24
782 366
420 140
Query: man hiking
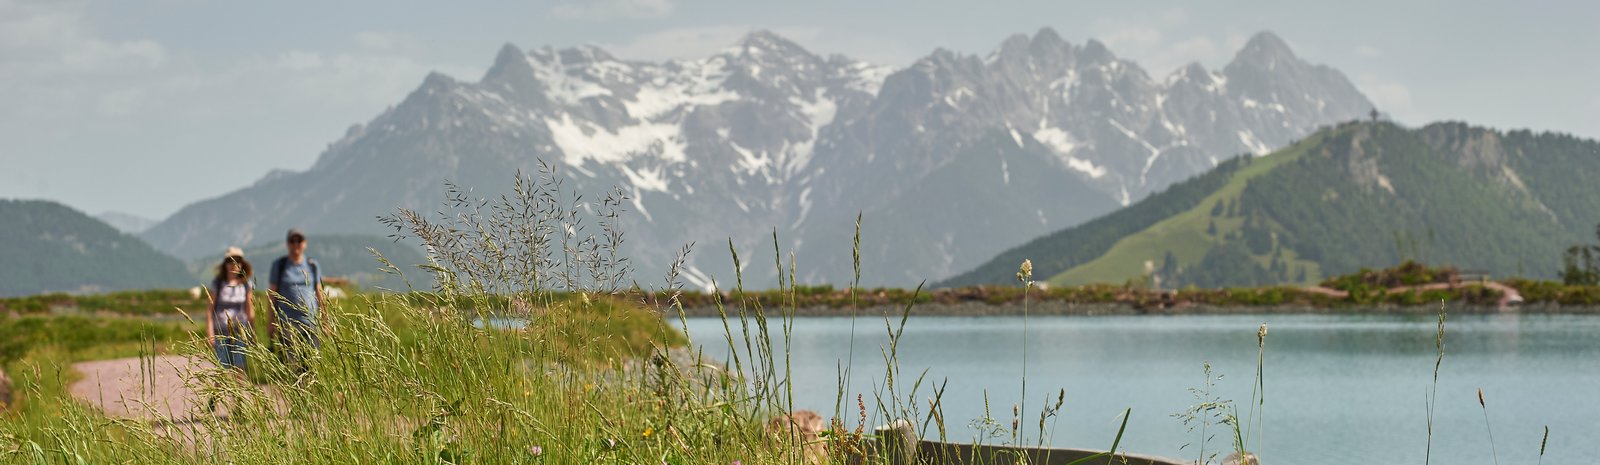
297 303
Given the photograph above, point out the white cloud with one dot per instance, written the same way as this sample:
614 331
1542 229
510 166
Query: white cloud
73 94
1368 51
600 10
45 39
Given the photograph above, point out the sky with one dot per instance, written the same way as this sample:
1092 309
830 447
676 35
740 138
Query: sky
144 107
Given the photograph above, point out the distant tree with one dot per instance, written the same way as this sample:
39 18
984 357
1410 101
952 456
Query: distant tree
1169 269
1257 237
1211 228
1374 114
1216 209
1582 263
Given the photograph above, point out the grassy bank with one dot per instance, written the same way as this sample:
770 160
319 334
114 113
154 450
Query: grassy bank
400 378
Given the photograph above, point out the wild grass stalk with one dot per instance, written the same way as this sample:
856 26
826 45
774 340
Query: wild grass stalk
1258 404
1208 409
1433 391
1024 275
1542 442
1486 426
855 283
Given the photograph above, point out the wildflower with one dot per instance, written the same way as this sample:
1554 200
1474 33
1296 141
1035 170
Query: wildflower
647 431
1025 272
1261 335
535 451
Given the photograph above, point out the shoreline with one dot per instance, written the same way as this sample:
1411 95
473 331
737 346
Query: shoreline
1058 308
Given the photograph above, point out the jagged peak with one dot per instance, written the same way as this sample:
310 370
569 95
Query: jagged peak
1193 70
1264 47
510 60
940 57
586 53
1047 38
759 42
1096 51
1044 43
579 55
437 79
1015 44
509 52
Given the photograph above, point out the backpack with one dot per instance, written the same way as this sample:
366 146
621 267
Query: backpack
282 265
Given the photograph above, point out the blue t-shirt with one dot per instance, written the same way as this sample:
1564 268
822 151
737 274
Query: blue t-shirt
297 284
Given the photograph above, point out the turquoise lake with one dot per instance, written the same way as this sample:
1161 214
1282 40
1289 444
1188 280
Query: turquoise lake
1338 388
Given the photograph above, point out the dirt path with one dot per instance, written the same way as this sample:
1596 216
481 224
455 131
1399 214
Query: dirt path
156 391
147 389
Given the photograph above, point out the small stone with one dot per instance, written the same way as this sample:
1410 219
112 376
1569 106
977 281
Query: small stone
803 428
1235 459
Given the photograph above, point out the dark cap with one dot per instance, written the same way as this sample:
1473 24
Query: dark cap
295 234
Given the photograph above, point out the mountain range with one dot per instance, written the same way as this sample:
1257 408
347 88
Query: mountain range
1358 195
950 160
50 247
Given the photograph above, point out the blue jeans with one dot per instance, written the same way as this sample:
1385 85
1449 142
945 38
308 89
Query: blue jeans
296 339
230 349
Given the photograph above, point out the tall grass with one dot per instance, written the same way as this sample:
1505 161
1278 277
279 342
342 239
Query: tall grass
1433 391
530 346
1494 454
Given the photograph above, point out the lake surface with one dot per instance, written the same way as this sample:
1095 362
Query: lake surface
1339 389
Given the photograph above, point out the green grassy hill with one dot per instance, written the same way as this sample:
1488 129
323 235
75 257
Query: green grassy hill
1359 195
49 247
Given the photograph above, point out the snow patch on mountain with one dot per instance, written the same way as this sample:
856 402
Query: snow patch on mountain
1061 142
818 113
580 140
1257 147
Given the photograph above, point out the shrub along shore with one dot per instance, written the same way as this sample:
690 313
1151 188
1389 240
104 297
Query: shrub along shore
1407 288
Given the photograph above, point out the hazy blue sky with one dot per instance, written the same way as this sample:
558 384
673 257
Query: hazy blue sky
143 107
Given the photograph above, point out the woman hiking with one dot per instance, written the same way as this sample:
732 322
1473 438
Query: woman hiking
228 324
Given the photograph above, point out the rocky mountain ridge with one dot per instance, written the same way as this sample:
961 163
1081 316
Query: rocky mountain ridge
950 160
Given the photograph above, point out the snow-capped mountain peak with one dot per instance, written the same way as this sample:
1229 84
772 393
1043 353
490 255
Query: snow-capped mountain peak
1036 135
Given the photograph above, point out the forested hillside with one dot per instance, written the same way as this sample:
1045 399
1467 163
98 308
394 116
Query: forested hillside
1362 195
49 247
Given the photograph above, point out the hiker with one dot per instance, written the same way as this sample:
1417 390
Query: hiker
296 285
228 324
